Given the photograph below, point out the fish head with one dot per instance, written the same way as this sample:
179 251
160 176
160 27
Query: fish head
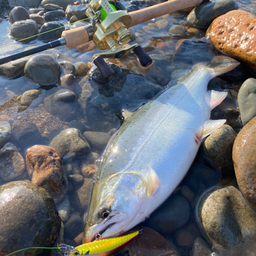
112 215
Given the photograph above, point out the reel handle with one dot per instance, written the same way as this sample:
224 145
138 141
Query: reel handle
103 67
144 58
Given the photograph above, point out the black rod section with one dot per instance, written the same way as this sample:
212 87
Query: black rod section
52 44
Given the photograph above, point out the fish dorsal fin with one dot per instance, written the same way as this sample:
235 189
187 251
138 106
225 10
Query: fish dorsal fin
209 126
216 98
152 182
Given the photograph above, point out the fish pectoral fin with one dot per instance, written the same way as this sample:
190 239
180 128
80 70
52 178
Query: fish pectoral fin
152 182
209 126
216 98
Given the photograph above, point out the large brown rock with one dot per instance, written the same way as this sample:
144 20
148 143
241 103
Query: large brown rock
233 33
244 159
44 166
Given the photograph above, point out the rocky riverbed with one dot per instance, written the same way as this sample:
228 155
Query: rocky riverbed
57 116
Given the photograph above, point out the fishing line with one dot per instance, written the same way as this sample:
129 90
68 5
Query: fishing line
23 39
28 248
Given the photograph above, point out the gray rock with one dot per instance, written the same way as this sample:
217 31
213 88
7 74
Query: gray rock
70 143
78 125
5 132
161 23
73 227
27 99
218 148
184 238
81 196
12 164
18 13
43 69
52 7
37 18
64 208
62 3
178 31
35 10
202 16
23 29
62 104
76 10
14 68
200 248
67 67
226 219
54 15
25 3
54 30
97 140
246 100
77 180
171 215
24 206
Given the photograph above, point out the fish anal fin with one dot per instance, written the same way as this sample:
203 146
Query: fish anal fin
152 182
207 128
216 98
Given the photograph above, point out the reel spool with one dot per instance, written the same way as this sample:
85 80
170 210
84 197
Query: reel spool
111 21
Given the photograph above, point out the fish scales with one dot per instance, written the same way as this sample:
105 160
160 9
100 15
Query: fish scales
151 153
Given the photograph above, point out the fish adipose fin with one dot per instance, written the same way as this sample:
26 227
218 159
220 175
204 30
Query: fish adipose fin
216 98
152 182
208 127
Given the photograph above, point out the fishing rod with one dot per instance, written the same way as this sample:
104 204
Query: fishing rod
109 30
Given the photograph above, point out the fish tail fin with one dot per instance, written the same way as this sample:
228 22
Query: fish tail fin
221 65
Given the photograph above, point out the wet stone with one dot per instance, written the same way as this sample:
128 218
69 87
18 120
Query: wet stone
23 29
218 148
56 30
35 10
24 3
74 226
70 143
52 7
171 215
37 18
178 31
54 15
200 248
76 10
12 164
44 167
17 214
236 43
5 131
202 16
18 13
64 208
81 69
246 100
67 67
149 243
97 140
78 125
245 161
43 69
76 179
226 219
62 104
81 195
131 8
67 80
27 99
61 3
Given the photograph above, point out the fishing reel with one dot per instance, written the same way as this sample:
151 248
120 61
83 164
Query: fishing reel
111 22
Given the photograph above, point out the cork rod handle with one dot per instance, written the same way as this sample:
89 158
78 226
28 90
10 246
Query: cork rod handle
158 10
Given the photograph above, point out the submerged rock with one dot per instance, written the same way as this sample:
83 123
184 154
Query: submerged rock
43 69
245 161
28 218
44 167
12 164
27 99
5 132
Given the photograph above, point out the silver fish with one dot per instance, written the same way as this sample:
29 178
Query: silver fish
150 154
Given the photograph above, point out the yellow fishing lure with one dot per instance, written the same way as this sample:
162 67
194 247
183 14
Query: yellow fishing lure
100 247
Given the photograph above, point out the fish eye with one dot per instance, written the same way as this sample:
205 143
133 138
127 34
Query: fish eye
76 252
104 213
